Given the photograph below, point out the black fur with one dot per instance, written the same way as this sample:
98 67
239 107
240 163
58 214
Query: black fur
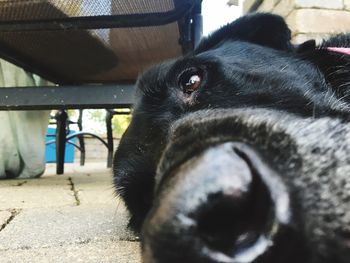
248 63
261 29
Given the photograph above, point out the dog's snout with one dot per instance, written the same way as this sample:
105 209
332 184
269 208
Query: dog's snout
219 207
231 221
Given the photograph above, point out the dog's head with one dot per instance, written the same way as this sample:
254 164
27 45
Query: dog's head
237 152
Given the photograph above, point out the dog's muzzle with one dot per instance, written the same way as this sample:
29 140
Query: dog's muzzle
225 193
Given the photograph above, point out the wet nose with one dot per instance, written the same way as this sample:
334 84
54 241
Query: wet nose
220 206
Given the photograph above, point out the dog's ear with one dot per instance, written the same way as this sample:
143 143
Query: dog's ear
332 59
260 28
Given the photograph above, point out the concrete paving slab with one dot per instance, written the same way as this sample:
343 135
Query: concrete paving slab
97 252
32 193
93 182
4 217
54 227
95 188
74 168
65 218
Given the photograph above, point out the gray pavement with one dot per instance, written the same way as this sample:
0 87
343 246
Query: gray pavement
74 217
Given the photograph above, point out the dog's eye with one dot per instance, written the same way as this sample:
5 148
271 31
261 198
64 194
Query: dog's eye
190 81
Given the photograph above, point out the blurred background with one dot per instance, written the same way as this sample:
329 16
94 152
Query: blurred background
316 19
215 14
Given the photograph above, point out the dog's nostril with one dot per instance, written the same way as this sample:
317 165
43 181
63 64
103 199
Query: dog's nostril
231 221
221 224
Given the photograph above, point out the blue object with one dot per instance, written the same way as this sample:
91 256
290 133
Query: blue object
50 151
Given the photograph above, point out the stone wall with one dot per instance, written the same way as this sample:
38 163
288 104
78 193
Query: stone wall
307 18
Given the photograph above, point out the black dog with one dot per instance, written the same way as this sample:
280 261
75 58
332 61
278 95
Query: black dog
238 151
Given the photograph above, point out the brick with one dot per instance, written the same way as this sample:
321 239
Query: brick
283 8
300 38
247 4
347 4
267 5
327 4
319 21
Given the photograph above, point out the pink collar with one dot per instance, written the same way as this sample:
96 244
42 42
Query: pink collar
342 50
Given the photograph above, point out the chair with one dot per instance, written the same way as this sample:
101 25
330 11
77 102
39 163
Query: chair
92 50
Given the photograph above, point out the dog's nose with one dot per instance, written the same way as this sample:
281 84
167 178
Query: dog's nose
233 218
236 206
223 205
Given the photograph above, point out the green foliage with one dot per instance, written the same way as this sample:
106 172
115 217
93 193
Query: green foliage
94 121
95 115
72 114
119 124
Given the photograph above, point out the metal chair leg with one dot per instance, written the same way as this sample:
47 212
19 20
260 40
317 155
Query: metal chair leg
61 132
197 25
109 117
81 138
